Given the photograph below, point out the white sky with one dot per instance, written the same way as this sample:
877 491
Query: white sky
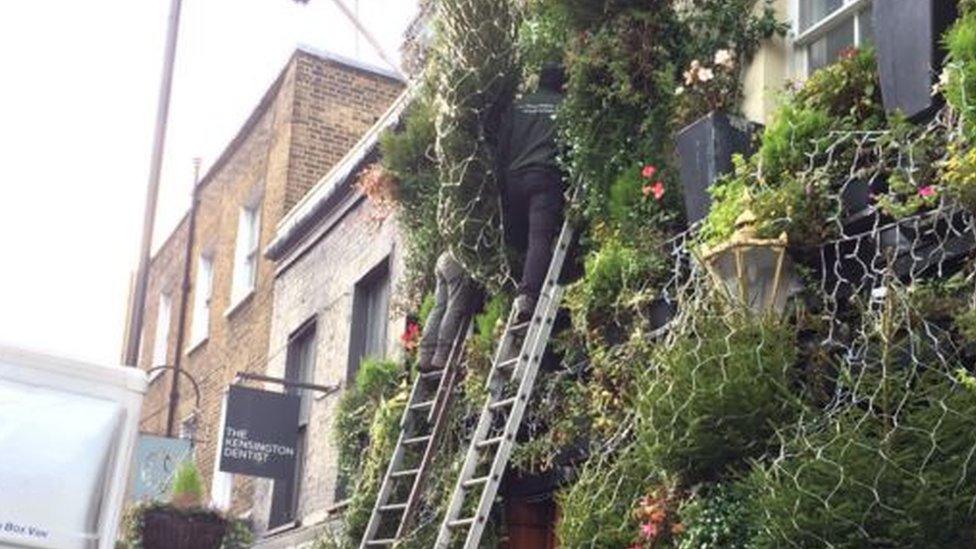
78 87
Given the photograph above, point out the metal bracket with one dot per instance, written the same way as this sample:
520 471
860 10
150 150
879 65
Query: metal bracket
326 389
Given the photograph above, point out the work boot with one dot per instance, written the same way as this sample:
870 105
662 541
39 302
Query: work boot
524 307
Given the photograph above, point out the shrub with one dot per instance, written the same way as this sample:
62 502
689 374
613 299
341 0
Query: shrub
713 400
959 77
716 517
897 477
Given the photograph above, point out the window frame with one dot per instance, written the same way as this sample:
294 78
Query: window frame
362 294
201 332
300 362
246 253
802 40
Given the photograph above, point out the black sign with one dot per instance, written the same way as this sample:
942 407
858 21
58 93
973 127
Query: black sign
260 433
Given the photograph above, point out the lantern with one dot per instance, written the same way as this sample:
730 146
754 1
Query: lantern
757 272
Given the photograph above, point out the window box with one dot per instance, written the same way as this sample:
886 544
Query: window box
908 40
705 148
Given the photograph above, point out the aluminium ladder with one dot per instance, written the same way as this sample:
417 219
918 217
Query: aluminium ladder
510 384
421 425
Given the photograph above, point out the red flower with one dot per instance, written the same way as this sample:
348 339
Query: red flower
850 52
648 172
411 336
926 191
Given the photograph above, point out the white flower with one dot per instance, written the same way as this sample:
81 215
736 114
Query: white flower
679 90
724 58
690 77
705 74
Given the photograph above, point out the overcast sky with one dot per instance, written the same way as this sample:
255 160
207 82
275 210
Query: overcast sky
78 87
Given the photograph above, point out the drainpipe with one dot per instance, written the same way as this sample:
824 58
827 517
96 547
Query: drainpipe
174 389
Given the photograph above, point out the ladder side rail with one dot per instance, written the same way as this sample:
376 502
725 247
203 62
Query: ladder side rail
384 492
512 426
438 415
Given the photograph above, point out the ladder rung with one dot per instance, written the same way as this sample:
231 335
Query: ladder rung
475 482
431 374
508 363
461 522
422 405
490 442
520 326
380 542
393 507
404 473
416 440
502 403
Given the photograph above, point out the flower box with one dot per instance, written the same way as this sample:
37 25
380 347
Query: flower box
908 43
705 148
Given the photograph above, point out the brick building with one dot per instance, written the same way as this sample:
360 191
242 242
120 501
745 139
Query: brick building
314 112
338 263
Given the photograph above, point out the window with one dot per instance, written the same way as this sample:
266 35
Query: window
299 366
201 300
161 342
370 312
825 28
246 253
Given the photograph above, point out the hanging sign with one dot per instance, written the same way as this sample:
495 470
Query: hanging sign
260 433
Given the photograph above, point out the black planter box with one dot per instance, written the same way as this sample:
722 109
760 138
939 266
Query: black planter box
705 148
908 44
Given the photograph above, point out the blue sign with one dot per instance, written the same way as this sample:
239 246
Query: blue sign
154 464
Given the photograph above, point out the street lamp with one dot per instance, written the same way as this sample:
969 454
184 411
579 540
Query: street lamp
757 272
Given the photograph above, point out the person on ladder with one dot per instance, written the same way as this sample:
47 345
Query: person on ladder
455 295
532 190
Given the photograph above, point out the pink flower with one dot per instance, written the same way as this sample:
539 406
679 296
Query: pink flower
658 190
649 530
926 191
648 171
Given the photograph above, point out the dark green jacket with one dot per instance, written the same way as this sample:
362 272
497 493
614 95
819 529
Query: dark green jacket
528 136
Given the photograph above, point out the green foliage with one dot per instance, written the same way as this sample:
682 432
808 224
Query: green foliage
596 511
619 97
960 75
384 428
863 479
620 282
426 306
187 484
376 382
716 517
960 175
408 154
795 133
488 320
713 401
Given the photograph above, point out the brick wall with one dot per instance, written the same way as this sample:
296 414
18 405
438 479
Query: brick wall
273 160
319 285
165 277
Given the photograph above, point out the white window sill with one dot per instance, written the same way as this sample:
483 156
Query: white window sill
239 303
193 348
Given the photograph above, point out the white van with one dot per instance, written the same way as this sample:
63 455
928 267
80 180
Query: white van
67 430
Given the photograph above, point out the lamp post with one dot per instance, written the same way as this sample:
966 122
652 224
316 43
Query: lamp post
756 272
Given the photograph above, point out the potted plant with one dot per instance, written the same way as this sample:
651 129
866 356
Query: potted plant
907 35
705 146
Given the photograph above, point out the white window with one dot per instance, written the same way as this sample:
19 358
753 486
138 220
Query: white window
825 28
246 253
161 342
201 300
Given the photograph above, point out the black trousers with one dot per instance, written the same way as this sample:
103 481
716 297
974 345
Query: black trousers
534 205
